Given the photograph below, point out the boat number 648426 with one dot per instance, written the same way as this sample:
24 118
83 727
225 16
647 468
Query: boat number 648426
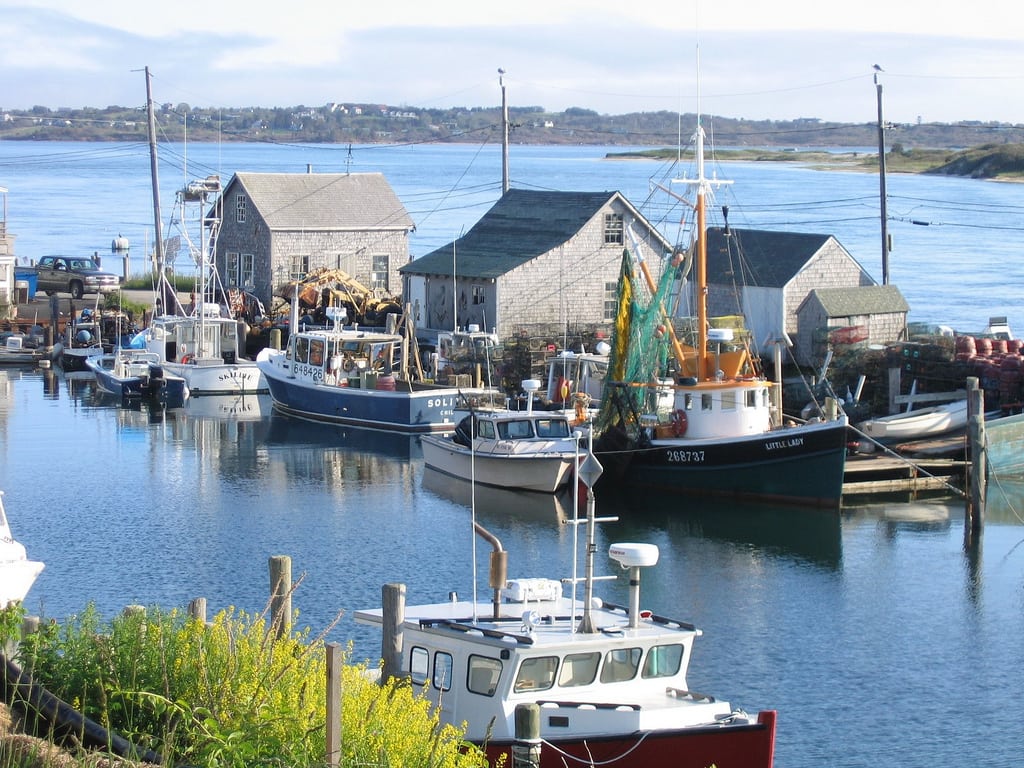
685 457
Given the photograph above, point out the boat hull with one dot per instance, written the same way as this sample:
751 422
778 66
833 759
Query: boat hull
912 425
528 472
76 360
749 745
415 411
220 378
802 465
158 386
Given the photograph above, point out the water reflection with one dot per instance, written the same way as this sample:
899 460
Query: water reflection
501 503
808 534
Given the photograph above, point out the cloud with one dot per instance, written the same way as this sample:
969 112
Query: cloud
757 60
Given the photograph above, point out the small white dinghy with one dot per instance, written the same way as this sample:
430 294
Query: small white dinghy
913 425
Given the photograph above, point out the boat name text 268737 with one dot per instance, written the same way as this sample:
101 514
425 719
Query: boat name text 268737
685 457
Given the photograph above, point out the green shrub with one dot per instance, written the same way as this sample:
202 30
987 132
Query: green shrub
230 693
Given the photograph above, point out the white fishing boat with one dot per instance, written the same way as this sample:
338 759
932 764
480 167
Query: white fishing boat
544 678
201 342
529 450
17 572
920 422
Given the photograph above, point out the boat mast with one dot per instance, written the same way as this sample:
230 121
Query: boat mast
158 248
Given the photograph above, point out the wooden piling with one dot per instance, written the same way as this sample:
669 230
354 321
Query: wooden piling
281 594
526 747
197 609
976 479
393 604
335 657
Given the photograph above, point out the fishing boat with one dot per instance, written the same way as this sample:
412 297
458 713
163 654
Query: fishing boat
724 432
347 375
543 678
201 342
529 450
17 572
135 374
916 424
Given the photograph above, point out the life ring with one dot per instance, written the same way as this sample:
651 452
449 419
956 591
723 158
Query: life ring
186 359
349 365
679 423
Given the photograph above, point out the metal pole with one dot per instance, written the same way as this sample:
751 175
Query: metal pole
504 133
159 244
881 185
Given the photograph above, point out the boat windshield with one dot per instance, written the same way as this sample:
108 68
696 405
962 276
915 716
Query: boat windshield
552 428
515 430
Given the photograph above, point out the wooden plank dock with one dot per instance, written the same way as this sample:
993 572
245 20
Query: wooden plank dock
868 474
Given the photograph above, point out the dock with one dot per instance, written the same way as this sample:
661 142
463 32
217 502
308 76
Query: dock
869 474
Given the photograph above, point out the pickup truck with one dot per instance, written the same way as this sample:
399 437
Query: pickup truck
77 275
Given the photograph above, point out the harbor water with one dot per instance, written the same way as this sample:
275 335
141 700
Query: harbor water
877 635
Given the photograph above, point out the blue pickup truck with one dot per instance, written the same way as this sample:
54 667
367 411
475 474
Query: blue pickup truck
77 275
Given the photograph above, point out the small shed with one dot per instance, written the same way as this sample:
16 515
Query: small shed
834 317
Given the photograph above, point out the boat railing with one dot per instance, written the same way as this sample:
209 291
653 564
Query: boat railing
466 626
651 617
612 706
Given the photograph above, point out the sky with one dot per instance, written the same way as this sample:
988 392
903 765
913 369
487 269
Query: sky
942 61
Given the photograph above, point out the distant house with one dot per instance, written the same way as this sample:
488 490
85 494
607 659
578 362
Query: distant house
766 276
276 227
836 316
535 258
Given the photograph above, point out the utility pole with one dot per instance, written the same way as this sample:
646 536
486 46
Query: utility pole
504 132
881 181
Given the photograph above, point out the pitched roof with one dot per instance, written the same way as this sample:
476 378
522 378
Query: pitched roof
861 300
759 257
522 225
325 201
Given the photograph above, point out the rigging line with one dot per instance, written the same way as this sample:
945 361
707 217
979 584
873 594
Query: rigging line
461 177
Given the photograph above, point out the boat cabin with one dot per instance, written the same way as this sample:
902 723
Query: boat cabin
619 679
343 358
210 339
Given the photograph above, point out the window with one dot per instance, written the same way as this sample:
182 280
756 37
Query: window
485 429
688 401
442 671
552 428
751 399
515 430
536 674
247 271
706 403
728 401
379 272
663 661
611 301
478 294
301 349
620 665
316 352
483 675
419 661
231 271
241 203
613 229
579 669
299 267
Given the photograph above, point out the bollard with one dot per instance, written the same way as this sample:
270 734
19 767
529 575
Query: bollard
526 747
281 595
393 605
